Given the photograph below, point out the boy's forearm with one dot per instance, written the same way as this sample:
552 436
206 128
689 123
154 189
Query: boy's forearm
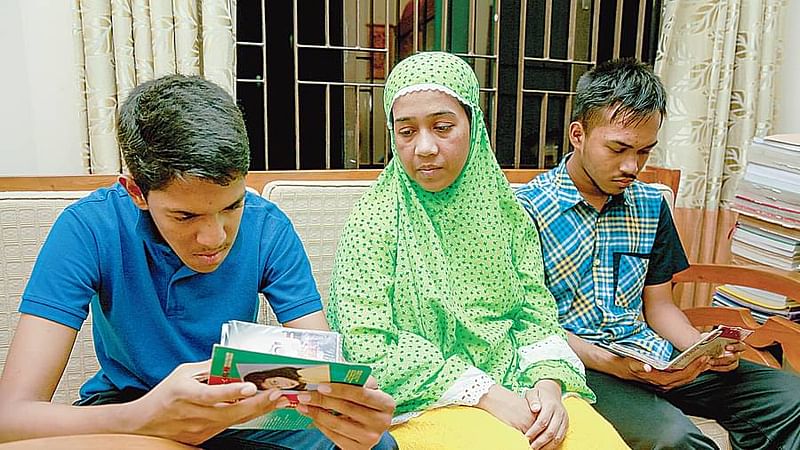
666 319
33 419
597 358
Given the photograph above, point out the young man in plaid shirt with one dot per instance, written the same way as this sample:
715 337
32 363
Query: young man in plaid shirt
610 250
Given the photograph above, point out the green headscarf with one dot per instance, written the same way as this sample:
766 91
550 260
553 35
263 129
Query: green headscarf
428 284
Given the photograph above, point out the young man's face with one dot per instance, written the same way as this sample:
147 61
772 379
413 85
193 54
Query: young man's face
197 218
611 155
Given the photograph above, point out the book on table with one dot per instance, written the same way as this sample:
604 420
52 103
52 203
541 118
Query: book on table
712 344
289 359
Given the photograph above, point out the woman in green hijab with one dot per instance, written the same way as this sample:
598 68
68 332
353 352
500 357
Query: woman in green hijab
439 286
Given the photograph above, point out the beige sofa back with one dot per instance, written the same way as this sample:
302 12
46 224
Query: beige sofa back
25 220
318 210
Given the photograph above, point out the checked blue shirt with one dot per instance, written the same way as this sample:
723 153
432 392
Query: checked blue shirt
596 263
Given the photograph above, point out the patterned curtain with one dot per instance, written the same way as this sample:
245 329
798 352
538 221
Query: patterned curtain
718 60
122 43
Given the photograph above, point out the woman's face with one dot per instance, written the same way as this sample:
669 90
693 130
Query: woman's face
431 131
279 383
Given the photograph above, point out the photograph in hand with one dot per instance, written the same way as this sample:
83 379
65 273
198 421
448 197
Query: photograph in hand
712 344
283 377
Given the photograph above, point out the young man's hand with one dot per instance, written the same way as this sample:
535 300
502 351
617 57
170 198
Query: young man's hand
507 406
184 409
729 360
362 415
552 421
664 379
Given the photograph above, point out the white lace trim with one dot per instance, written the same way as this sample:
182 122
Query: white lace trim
554 347
466 391
427 87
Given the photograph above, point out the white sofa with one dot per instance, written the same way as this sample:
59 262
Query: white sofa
318 210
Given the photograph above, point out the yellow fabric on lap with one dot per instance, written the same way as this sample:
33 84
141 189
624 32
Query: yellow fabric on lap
462 427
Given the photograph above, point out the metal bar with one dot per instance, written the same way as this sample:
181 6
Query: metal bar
595 27
476 56
548 25
640 29
567 120
358 21
445 13
296 89
251 44
358 126
539 91
573 12
471 36
387 63
496 75
328 126
264 84
542 130
520 83
618 28
566 61
249 80
327 23
415 24
338 83
343 47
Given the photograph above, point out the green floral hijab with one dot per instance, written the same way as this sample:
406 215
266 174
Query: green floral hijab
429 284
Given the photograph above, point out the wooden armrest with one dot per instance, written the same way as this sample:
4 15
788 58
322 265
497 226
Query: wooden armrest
766 278
776 330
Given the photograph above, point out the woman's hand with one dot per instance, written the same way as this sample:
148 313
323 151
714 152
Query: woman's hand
550 427
507 406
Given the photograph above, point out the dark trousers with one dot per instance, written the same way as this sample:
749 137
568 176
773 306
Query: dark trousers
245 439
758 405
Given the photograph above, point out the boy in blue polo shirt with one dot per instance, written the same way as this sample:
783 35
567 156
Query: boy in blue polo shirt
163 258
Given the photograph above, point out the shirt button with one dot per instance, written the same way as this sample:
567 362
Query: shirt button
596 262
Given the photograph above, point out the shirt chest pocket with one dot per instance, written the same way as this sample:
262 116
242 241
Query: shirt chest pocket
630 270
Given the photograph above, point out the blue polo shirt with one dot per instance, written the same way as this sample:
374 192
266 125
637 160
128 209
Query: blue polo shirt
150 311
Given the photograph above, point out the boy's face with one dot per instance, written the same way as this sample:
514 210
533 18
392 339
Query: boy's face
610 155
197 218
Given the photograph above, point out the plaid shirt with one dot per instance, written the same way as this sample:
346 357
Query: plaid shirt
596 262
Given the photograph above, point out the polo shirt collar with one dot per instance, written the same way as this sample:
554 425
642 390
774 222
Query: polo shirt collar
147 230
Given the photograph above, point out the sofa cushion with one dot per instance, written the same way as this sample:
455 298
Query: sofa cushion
25 221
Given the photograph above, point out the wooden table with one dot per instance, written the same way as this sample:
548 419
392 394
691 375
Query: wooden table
96 441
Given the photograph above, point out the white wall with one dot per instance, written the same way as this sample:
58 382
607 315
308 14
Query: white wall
39 125
787 119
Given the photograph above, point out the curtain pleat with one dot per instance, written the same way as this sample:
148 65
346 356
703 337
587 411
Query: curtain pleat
122 43
718 60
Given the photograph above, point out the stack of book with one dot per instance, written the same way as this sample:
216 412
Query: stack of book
768 229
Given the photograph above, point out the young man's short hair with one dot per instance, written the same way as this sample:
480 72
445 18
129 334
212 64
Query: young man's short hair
182 126
626 85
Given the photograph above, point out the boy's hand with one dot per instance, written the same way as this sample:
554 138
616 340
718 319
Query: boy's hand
183 409
363 413
664 379
729 360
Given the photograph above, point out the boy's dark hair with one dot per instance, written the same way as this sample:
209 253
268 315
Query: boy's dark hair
626 85
291 373
179 126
